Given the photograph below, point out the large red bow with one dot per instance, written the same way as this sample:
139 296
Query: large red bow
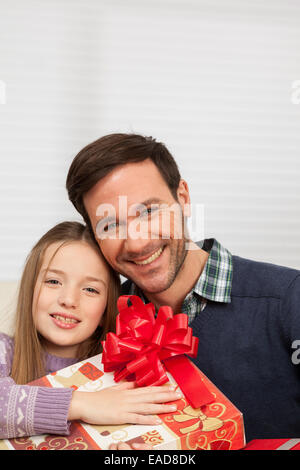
144 347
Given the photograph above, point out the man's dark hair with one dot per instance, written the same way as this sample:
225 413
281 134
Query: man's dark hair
99 158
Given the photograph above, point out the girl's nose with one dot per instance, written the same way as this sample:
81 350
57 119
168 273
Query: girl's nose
68 298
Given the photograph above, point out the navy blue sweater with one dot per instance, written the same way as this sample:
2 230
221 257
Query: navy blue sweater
245 347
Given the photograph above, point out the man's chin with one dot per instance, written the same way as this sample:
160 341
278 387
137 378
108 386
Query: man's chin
154 287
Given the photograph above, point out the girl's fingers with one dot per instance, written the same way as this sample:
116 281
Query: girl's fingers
125 386
138 446
139 392
120 446
161 397
135 446
157 389
152 409
135 418
147 414
123 446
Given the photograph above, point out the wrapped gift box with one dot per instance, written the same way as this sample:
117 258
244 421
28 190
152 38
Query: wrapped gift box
273 444
216 426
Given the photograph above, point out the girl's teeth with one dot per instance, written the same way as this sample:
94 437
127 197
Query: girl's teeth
151 258
65 319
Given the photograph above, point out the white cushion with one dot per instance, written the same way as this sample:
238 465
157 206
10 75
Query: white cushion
8 301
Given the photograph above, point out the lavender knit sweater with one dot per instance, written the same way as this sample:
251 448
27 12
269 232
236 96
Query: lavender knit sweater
27 410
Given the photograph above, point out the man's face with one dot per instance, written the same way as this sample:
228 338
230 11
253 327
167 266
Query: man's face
132 215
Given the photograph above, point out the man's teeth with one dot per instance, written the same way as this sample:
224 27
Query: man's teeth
151 258
65 319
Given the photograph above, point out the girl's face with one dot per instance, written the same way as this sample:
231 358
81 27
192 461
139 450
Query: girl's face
70 296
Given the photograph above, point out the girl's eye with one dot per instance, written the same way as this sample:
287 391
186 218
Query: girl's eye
92 290
52 281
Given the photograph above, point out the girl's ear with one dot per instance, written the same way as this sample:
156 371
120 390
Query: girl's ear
183 196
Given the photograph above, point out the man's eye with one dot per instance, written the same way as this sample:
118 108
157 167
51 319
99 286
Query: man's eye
109 227
148 211
106 228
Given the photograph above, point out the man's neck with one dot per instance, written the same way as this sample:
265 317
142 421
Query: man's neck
187 277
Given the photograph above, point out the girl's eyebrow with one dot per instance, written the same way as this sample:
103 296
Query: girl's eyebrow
95 279
87 278
56 271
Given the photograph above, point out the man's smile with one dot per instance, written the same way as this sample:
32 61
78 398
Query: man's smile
150 259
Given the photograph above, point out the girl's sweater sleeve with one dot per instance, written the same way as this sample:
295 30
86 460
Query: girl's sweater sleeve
27 410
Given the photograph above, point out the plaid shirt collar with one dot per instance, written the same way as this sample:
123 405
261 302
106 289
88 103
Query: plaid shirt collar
215 281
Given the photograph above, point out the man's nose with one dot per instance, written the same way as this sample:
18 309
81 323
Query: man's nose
136 248
137 235
138 230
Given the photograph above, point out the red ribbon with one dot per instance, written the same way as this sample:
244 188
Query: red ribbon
143 347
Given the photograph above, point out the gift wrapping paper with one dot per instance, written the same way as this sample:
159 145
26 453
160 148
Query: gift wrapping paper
273 444
216 426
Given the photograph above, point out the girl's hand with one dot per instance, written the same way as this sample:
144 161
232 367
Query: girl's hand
123 404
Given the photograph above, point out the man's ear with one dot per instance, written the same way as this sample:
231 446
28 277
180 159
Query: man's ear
183 197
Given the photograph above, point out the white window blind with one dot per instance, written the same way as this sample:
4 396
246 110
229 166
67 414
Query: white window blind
212 79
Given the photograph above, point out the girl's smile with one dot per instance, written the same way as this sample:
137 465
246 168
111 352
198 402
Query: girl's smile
64 320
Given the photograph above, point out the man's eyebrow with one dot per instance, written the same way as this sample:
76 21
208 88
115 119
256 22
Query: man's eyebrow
107 219
152 200
146 203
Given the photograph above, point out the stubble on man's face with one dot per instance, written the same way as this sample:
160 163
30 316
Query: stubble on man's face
177 257
157 280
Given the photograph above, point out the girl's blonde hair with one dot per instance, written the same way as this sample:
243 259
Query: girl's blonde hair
29 355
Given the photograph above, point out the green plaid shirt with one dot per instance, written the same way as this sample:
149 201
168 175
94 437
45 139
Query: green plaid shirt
214 283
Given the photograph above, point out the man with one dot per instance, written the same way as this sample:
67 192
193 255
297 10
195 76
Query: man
246 314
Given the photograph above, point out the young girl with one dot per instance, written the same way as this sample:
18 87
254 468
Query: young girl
66 306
